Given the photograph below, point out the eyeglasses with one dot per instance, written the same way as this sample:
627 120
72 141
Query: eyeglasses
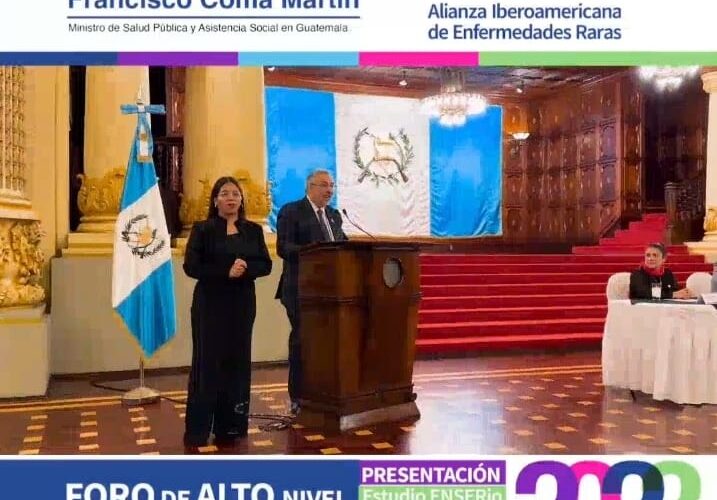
324 185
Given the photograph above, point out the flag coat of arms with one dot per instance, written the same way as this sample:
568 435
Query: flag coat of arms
142 275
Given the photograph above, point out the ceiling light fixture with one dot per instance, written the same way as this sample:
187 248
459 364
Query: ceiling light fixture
667 77
453 105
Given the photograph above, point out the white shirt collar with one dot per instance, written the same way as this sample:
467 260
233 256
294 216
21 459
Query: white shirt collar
316 209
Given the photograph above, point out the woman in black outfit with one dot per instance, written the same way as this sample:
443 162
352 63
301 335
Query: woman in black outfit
653 272
225 253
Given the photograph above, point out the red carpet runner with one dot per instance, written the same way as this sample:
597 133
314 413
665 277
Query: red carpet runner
482 302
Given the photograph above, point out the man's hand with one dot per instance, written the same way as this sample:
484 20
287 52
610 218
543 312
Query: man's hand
685 293
238 268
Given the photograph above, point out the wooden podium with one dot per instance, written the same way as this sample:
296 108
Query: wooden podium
359 316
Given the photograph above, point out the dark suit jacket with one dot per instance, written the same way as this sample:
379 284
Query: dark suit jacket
209 259
296 226
641 284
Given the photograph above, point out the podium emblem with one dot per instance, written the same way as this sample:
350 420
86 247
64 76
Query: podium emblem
392 272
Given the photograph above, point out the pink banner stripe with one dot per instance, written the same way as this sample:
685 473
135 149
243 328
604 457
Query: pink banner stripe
418 58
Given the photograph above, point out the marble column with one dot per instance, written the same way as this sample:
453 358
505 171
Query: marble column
708 245
20 256
224 135
23 322
108 136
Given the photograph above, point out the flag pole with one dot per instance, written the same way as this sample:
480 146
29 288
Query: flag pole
141 395
141 157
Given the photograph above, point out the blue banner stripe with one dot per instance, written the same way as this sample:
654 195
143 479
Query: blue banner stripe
266 479
298 58
141 177
466 179
149 311
59 58
300 131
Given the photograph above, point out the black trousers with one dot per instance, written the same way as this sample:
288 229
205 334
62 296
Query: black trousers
219 382
292 311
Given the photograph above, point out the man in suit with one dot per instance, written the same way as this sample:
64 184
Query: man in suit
300 223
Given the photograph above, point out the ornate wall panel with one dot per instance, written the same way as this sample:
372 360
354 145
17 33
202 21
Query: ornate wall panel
574 160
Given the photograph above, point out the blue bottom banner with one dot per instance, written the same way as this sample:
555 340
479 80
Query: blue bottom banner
365 478
251 479
166 479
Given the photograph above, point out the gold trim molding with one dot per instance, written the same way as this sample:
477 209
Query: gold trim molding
99 201
709 81
195 209
710 224
21 263
258 197
12 132
257 200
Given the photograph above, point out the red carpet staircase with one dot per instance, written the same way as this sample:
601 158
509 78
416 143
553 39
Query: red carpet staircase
482 302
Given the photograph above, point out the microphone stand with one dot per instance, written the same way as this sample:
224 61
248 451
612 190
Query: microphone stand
343 211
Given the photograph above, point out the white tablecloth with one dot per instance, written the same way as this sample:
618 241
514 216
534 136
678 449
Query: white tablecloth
667 350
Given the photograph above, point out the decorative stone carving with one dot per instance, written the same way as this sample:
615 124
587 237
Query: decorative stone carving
192 210
20 263
21 259
257 200
12 132
710 225
99 200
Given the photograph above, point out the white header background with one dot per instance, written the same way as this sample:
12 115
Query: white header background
385 25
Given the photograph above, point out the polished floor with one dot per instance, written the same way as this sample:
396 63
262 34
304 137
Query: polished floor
527 404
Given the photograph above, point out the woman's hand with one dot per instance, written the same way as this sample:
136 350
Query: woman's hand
238 268
685 293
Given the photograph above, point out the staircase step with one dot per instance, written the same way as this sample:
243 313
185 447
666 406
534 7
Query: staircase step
655 216
630 239
503 301
524 279
506 301
649 225
519 327
622 249
499 342
565 267
532 312
538 288
641 230
622 258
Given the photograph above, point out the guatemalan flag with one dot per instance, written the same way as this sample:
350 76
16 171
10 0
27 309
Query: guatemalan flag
142 276
398 172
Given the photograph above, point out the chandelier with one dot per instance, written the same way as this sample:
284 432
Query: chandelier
668 77
453 105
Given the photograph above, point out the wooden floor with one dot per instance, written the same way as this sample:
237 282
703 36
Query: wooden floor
528 404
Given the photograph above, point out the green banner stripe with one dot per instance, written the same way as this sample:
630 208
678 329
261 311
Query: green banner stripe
457 492
597 58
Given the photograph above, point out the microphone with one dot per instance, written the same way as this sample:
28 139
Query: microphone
343 211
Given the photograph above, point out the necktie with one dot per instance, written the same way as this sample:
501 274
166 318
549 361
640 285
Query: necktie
324 226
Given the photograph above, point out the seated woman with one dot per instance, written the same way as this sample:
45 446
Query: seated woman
652 273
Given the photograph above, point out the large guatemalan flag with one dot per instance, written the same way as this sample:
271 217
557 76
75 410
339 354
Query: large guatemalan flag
398 173
142 277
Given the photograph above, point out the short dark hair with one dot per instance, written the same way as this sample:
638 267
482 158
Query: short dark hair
213 212
660 247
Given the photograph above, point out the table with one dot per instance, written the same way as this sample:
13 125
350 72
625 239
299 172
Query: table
666 350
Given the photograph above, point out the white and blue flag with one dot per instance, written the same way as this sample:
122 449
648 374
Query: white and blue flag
142 276
398 172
